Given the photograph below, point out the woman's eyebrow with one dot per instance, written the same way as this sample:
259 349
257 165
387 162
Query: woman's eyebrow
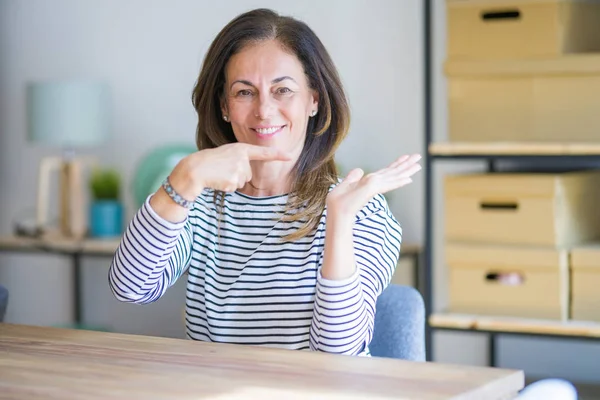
248 83
274 81
283 78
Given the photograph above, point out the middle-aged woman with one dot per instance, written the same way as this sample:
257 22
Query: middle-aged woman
279 251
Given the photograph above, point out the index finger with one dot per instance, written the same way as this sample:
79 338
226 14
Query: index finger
262 153
403 161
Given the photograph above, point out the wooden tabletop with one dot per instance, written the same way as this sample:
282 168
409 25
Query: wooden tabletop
52 363
515 325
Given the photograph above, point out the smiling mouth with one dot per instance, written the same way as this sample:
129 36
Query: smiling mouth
265 132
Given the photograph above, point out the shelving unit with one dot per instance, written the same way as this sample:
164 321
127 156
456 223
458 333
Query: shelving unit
562 156
557 157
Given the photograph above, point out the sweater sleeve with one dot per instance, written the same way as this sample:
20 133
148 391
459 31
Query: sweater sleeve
344 312
152 255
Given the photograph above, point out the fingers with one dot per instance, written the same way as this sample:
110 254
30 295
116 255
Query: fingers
408 162
399 161
400 177
406 165
397 174
353 176
245 176
406 172
262 153
242 180
390 185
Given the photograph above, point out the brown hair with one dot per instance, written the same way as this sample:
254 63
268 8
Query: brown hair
315 169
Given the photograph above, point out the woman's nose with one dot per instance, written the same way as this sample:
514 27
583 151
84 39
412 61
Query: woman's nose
264 108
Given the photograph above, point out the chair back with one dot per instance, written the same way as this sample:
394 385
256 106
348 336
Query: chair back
399 330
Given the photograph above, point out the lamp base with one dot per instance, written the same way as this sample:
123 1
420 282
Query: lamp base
72 216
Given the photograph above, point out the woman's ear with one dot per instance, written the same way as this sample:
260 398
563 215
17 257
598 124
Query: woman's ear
224 111
315 96
315 101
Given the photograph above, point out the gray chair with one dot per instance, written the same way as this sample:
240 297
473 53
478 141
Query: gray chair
399 330
3 302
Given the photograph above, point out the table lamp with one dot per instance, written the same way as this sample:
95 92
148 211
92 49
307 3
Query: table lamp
68 115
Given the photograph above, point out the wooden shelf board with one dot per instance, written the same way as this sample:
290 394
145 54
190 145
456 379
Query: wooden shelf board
515 325
58 244
516 149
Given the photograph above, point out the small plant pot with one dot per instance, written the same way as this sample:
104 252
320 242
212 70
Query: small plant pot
106 219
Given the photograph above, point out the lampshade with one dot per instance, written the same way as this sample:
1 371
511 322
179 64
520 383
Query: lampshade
68 114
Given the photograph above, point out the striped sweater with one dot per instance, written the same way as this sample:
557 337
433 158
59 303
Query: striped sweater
246 286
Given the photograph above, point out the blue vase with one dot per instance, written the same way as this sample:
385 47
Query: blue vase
106 219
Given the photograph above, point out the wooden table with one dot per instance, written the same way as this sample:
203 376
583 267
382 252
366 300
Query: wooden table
51 363
76 249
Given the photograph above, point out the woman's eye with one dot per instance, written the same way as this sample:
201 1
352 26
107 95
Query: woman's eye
283 90
244 92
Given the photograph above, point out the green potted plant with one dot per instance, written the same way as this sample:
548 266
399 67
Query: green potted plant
106 210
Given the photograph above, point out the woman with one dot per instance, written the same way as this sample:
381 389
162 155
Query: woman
278 251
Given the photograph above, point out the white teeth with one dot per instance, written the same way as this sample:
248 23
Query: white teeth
268 131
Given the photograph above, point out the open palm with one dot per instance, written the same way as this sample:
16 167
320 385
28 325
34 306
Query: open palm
351 195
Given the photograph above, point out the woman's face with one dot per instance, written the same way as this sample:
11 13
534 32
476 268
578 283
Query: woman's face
267 98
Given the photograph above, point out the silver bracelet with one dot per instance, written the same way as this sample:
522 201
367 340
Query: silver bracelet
176 197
